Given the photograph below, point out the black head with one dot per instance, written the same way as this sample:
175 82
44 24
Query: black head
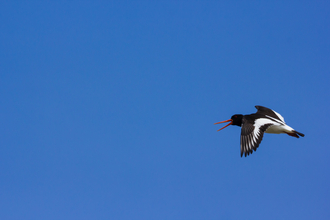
237 119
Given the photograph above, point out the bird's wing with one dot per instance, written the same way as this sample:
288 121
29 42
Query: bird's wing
251 134
270 113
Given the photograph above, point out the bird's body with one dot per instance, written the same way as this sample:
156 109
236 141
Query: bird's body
255 125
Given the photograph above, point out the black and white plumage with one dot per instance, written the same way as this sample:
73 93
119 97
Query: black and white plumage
255 125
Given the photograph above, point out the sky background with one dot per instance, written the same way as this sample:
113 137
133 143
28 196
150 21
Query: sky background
107 109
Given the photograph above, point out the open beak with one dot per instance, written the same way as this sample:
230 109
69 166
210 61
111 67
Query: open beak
231 122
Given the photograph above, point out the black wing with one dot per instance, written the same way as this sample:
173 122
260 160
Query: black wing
266 111
251 136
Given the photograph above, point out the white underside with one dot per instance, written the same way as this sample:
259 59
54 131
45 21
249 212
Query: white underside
275 128
278 129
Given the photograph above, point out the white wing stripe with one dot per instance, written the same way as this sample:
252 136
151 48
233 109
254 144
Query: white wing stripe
280 116
262 121
276 120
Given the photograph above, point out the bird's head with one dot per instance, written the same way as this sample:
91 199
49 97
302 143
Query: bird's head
235 120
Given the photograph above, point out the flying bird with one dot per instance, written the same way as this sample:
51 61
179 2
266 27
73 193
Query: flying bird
254 126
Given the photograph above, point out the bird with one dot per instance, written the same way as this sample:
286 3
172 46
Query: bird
254 126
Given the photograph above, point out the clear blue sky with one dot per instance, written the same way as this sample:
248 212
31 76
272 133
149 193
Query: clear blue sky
107 109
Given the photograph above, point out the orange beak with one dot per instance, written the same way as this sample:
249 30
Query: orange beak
231 122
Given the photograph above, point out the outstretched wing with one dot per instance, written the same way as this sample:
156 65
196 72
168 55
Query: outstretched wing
252 134
270 113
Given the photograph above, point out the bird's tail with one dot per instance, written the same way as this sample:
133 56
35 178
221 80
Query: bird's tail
295 134
301 134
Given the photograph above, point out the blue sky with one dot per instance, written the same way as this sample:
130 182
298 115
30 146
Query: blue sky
107 109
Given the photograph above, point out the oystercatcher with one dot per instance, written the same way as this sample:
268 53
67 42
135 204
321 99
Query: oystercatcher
254 126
